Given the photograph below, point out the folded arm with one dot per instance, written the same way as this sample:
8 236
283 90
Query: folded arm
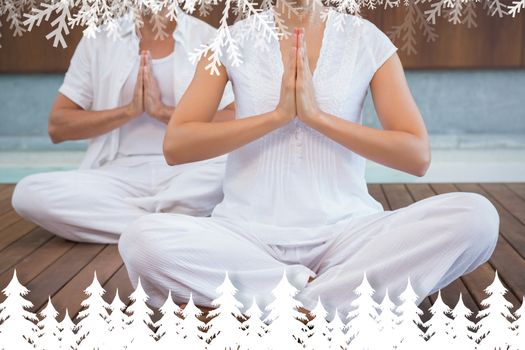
403 142
191 135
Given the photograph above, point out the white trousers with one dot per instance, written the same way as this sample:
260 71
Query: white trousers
433 241
95 205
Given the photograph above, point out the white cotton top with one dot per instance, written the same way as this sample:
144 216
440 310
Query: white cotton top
144 135
295 185
100 66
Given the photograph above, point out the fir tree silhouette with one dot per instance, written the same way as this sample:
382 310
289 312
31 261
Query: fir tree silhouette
169 325
48 335
285 329
17 327
254 328
461 328
224 329
92 330
495 325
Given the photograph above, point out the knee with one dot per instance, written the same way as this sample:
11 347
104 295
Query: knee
133 245
479 219
26 199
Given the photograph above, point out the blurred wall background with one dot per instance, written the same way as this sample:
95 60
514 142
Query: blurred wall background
469 83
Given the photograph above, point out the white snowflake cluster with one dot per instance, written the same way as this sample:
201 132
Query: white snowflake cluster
104 15
369 325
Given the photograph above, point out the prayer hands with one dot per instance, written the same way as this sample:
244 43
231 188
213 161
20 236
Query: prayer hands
152 98
297 96
136 106
286 109
306 104
147 96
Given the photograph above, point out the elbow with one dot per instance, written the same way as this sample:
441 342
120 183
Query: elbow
171 152
422 163
54 133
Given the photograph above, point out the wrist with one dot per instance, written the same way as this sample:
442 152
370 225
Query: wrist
163 113
129 112
280 117
316 120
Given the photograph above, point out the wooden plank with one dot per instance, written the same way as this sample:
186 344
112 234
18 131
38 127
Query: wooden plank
5 206
38 261
504 257
105 264
459 46
441 188
22 247
377 193
8 219
511 228
481 278
420 191
120 280
59 273
14 232
510 267
6 192
508 199
518 188
397 196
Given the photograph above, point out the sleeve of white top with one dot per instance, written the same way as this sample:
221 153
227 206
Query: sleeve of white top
206 34
77 85
379 45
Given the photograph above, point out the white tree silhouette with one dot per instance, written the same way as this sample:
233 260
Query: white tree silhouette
337 333
362 320
495 325
140 320
254 328
387 323
438 327
518 327
17 328
93 328
286 329
411 336
68 338
117 323
461 328
224 329
169 325
48 335
191 328
318 332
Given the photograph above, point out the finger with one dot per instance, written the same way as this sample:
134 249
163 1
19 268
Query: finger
298 32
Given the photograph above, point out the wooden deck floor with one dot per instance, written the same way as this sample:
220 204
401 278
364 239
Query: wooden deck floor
51 266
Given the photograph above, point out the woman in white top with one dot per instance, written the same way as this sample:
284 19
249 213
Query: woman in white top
120 94
295 196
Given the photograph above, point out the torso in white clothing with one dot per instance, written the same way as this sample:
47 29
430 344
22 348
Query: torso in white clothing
295 177
144 135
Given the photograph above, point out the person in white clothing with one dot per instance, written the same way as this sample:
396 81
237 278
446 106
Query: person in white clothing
295 196
121 94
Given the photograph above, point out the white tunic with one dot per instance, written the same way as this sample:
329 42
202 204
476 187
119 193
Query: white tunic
295 184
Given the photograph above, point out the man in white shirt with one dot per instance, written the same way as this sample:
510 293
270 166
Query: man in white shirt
120 94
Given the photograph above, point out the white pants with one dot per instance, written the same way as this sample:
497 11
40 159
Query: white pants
95 205
434 241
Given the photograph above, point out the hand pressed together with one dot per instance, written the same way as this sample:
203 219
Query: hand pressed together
297 97
147 95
